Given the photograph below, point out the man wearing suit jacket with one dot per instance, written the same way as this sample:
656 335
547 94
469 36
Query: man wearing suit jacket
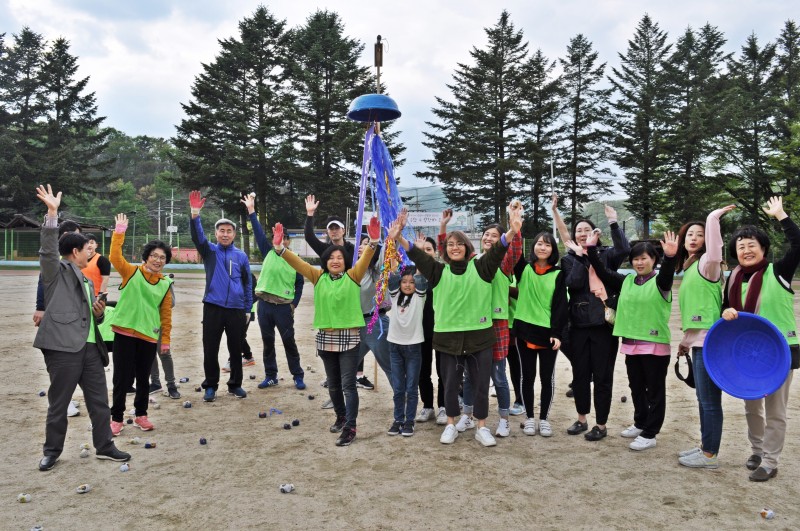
68 336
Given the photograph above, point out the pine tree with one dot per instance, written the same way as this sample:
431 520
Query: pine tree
21 131
746 144
697 88
475 140
638 120
787 76
541 111
583 148
237 133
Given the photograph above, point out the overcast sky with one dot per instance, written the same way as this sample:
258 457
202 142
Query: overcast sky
143 55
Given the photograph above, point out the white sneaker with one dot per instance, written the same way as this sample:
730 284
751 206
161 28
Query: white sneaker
530 427
441 417
640 443
699 460
465 423
484 436
687 453
449 435
631 432
492 391
72 409
544 429
503 428
227 367
425 414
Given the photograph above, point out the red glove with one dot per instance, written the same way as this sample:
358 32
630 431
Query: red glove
277 235
374 229
196 201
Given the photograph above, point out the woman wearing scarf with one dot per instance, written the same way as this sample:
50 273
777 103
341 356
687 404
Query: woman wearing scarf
700 299
590 345
756 286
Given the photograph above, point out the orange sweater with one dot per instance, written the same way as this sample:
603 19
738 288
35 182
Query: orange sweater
126 270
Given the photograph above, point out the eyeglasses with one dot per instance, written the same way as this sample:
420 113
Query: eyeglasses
158 257
453 245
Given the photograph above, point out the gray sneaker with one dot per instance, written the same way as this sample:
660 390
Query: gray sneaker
328 404
699 460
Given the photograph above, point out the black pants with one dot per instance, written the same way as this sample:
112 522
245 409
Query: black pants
513 365
425 374
68 370
217 320
479 365
133 358
593 356
547 366
647 376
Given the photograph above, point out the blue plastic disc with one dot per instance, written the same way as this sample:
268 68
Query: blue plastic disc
748 357
373 108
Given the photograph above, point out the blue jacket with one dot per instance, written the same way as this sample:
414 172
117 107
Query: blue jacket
265 247
228 278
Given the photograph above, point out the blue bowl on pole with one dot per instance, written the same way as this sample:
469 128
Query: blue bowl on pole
748 357
373 108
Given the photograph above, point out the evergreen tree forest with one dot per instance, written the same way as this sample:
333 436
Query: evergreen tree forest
678 124
681 126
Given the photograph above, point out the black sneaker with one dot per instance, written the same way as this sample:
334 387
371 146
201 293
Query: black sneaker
596 434
338 425
408 429
324 384
364 383
114 454
155 387
577 427
172 391
570 393
131 391
395 429
347 436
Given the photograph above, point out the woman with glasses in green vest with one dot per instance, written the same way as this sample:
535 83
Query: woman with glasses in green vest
338 320
642 322
462 301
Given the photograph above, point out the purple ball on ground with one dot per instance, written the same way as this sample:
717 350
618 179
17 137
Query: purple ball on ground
203 440
198 389
287 426
311 397
42 393
262 414
252 376
296 422
624 398
130 421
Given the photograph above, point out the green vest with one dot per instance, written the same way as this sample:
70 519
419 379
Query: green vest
462 303
500 285
105 326
777 305
277 277
536 296
138 306
512 303
337 303
700 300
642 313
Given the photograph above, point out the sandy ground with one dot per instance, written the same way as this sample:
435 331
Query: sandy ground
378 482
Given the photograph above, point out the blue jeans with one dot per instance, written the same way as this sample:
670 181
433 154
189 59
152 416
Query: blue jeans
500 387
340 369
406 362
709 401
378 345
271 316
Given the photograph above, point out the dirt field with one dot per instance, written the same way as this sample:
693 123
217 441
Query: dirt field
380 481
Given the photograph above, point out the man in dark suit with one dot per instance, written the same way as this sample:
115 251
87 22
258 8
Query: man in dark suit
68 336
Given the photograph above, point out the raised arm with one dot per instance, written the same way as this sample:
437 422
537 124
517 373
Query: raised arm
616 256
786 266
308 230
488 264
710 264
48 253
611 279
123 267
304 268
264 245
563 231
666 275
515 247
196 202
362 265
